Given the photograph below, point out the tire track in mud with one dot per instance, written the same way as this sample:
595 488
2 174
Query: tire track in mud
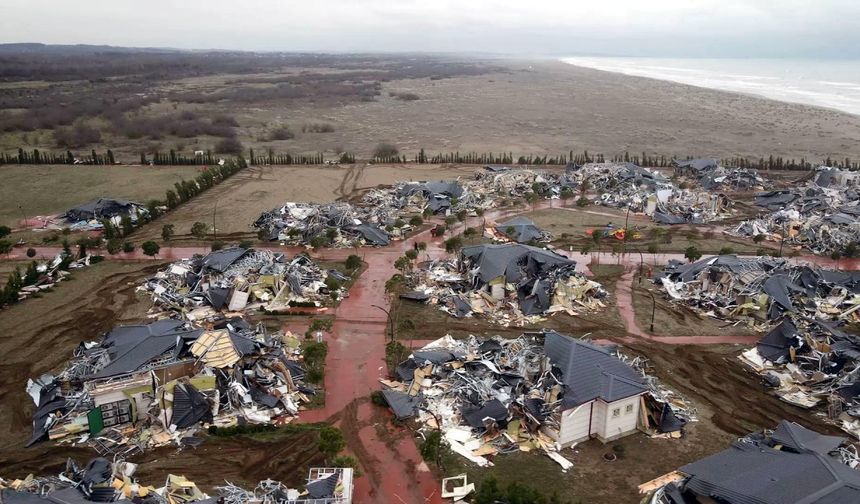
42 340
349 182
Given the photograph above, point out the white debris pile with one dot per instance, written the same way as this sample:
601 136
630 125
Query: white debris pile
330 224
821 215
238 279
508 284
494 396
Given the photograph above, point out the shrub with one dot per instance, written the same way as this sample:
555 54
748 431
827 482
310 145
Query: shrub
167 232
216 246
199 230
378 399
453 244
727 251
128 247
281 133
31 252
582 202
353 262
416 221
77 136
150 248
246 244
692 253
331 441
114 245
412 254
318 128
230 145
5 231
385 150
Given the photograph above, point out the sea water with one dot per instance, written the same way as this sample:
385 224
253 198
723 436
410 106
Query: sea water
832 84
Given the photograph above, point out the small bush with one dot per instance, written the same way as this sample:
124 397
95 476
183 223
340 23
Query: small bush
582 202
31 252
353 262
416 221
150 248
385 150
281 133
229 146
128 247
378 399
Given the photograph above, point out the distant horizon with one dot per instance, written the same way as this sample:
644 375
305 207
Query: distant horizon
549 55
624 28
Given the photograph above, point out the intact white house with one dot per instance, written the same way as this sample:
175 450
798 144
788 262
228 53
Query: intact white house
602 394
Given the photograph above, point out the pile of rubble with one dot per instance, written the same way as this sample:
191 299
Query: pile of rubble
508 284
761 290
238 279
708 174
157 384
808 356
822 215
104 481
45 275
542 391
336 224
626 185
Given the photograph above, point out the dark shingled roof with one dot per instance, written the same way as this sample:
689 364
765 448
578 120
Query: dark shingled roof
220 260
523 230
590 371
756 473
513 261
131 347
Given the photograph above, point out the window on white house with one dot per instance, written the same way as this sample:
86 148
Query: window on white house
616 412
628 409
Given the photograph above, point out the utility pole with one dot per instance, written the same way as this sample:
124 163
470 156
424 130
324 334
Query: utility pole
214 229
653 310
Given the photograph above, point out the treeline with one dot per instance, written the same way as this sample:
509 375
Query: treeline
186 189
172 158
491 158
780 163
291 159
37 157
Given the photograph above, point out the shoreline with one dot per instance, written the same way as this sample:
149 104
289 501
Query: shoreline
767 87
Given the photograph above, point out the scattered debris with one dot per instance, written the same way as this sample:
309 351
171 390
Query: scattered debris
791 465
90 216
708 174
508 284
339 224
238 279
542 391
626 185
103 481
822 215
522 230
806 356
156 384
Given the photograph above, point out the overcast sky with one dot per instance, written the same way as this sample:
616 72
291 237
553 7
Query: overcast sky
818 28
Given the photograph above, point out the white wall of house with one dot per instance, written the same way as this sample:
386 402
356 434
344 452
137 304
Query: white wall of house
606 421
621 418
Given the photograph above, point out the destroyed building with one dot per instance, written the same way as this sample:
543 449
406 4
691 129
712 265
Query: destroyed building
101 480
505 283
791 465
236 279
155 384
626 185
808 356
821 215
710 175
337 224
438 196
522 230
540 391
90 215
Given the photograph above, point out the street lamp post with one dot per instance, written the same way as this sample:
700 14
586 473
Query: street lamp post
388 323
653 309
214 229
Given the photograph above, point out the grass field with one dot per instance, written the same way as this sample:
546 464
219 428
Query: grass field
42 190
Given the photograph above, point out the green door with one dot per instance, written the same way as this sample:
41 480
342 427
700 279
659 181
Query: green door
95 420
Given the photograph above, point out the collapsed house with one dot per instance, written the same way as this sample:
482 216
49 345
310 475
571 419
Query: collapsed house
48 274
543 391
104 481
821 215
791 465
344 224
708 174
522 230
506 283
807 356
626 185
155 384
238 279
438 197
90 215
